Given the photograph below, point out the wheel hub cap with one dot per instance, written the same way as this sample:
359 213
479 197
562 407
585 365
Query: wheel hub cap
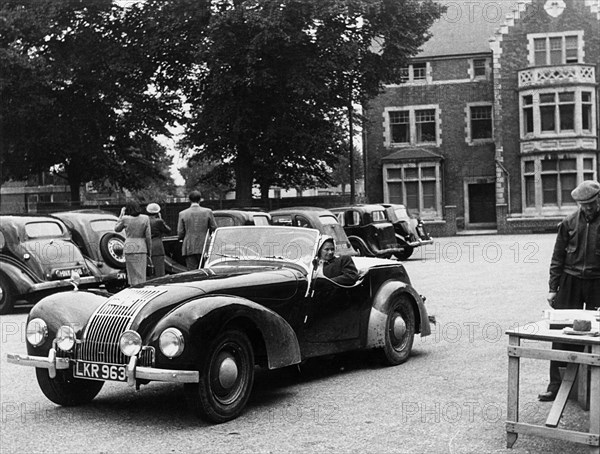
398 327
228 371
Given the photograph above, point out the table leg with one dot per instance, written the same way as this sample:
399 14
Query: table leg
563 394
595 399
512 412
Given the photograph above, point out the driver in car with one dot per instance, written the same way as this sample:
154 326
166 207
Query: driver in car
337 269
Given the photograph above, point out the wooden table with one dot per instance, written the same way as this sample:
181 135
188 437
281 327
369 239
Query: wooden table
582 361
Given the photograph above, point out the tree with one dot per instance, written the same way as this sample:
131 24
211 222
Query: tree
84 93
277 76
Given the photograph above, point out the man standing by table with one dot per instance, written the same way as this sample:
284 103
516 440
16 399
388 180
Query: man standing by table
575 266
193 225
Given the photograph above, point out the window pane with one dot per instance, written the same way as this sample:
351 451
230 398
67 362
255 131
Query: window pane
419 71
549 165
394 174
571 49
588 164
400 133
568 164
549 192
481 122
429 199
412 195
568 181
528 120
586 117
556 51
530 191
428 172
547 118
395 192
547 98
540 51
479 67
529 167
567 117
411 173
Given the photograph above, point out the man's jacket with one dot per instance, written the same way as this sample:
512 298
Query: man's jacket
577 249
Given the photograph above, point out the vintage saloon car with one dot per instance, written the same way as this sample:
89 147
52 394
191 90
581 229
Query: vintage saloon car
369 230
256 301
93 231
410 231
315 218
38 257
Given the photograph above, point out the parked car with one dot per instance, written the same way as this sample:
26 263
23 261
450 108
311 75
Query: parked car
410 231
174 261
256 301
93 231
315 218
369 230
38 257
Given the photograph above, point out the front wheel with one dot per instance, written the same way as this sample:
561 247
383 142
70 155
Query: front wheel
67 390
226 378
399 331
406 253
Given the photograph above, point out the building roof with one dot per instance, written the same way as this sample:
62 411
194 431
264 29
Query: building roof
466 27
413 154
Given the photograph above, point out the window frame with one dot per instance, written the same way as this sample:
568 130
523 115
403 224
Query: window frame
549 38
411 74
473 67
402 179
469 123
536 176
578 112
412 125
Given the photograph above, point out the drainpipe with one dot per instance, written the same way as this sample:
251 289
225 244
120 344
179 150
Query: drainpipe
507 182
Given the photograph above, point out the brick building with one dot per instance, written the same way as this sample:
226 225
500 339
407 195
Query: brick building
495 120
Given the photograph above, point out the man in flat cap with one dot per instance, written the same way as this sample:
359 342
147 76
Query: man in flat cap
575 266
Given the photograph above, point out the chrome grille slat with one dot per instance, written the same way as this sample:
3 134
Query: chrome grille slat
109 321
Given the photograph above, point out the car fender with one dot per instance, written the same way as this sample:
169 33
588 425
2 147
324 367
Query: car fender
401 241
202 319
73 308
356 240
379 311
20 277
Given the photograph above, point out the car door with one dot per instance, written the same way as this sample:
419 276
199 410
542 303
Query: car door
333 317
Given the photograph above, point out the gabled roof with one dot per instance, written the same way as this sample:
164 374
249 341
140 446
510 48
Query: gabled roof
466 27
413 154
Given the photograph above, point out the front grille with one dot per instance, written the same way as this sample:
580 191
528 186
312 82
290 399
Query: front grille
100 341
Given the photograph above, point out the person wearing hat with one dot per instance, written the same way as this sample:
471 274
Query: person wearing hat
158 228
575 266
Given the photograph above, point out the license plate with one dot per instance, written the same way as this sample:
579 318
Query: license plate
64 274
99 371
122 275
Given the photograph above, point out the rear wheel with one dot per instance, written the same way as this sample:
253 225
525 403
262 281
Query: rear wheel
7 296
67 390
226 378
399 331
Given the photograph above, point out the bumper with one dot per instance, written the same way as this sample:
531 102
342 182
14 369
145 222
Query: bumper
62 283
134 372
387 252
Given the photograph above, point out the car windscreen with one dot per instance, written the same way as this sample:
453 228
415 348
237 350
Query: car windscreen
401 213
224 221
259 243
261 220
378 216
103 225
43 229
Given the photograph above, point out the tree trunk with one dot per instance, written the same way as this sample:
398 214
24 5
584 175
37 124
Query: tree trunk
74 185
243 177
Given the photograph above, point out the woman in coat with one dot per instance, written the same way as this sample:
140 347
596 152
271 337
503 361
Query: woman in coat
137 242
158 228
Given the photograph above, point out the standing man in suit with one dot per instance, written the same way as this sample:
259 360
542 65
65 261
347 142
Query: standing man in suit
193 225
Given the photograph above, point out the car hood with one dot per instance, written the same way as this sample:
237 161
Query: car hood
49 256
147 303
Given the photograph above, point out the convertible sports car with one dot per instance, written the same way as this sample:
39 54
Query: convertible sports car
257 301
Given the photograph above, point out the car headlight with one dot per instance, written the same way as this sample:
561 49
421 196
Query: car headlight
65 338
130 343
37 332
171 342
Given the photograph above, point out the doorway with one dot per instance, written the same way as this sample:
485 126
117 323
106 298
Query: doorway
480 205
